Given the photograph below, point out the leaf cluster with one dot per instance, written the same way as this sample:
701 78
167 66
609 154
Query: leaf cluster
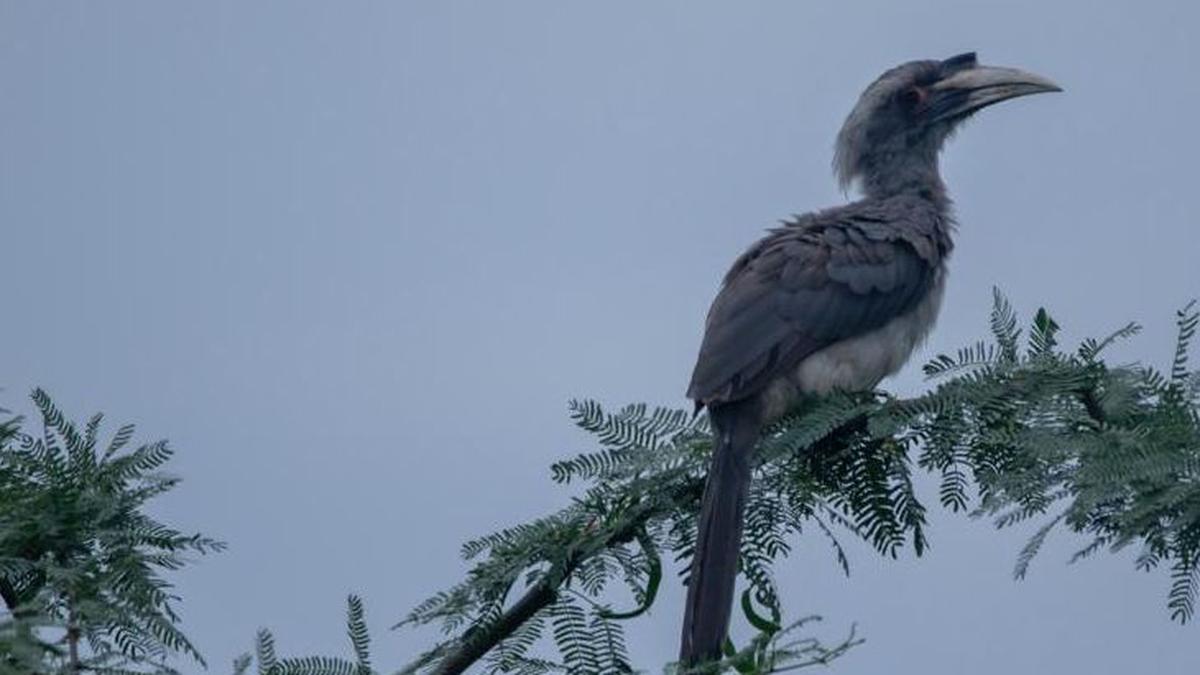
78 552
269 663
1113 453
639 507
1017 428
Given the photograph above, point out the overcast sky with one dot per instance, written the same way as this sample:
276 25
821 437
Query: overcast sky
353 259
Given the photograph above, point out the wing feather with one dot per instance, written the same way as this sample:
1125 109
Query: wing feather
826 277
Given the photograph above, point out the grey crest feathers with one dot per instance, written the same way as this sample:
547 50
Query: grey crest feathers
879 123
891 139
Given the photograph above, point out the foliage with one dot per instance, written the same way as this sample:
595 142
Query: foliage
269 662
1114 452
78 553
776 650
1014 432
645 482
1017 428
22 650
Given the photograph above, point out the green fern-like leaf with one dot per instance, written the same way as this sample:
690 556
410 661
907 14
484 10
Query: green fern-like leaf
360 639
573 637
264 650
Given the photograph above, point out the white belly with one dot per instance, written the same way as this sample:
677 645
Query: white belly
859 363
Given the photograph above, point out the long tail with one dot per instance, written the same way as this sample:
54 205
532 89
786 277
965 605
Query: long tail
718 541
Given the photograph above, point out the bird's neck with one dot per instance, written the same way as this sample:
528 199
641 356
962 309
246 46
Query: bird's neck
890 178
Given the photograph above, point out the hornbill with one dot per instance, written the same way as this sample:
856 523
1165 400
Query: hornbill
833 300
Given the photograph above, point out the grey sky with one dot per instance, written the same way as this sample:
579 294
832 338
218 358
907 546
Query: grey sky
354 258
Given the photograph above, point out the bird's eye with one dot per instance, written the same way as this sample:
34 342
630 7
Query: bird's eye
914 96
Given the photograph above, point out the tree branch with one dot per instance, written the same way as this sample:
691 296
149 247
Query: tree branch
480 642
474 644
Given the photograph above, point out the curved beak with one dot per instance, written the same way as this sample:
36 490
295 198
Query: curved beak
971 89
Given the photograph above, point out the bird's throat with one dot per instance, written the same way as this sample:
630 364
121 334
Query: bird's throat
892 175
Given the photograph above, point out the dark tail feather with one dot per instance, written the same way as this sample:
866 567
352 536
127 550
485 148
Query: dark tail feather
718 540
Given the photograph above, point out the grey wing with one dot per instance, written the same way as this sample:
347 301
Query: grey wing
801 289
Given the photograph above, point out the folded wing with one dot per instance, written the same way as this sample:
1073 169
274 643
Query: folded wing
825 278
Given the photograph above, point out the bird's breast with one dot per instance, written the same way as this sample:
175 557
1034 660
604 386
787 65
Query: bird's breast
860 362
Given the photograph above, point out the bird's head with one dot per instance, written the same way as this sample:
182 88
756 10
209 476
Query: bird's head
891 139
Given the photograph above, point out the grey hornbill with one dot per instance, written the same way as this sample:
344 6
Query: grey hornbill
832 300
